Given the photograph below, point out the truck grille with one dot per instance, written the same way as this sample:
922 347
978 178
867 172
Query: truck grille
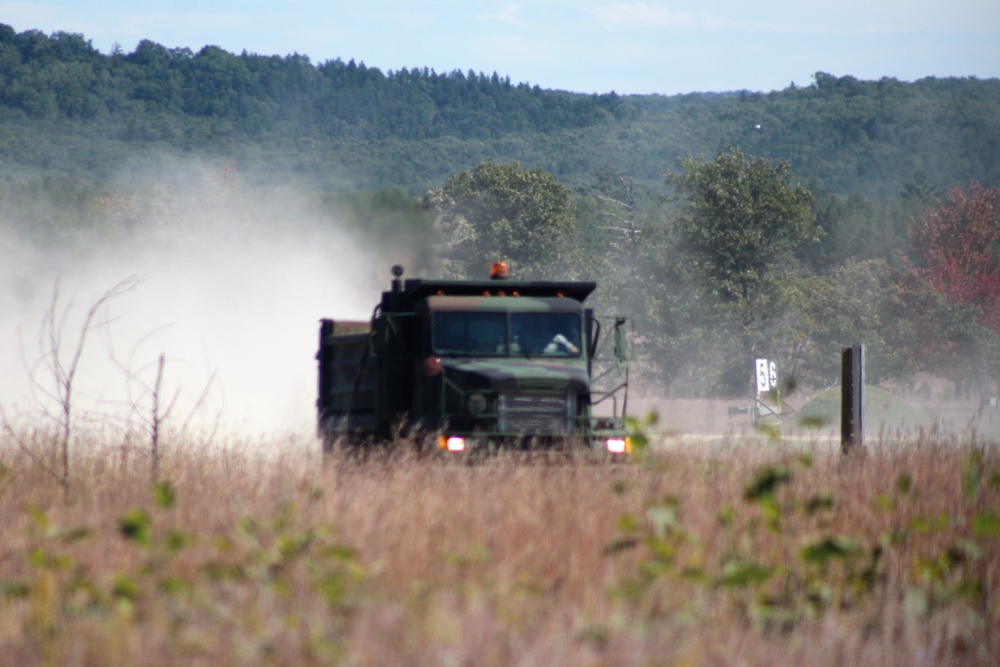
526 413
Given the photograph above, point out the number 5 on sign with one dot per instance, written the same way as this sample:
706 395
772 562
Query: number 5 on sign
767 375
763 381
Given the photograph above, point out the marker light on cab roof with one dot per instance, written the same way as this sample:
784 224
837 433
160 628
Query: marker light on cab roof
499 271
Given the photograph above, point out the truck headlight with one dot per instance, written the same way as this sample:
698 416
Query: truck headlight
617 445
451 443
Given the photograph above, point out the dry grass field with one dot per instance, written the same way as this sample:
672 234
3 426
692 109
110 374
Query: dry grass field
253 553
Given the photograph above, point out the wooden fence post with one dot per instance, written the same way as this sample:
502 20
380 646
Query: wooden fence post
852 398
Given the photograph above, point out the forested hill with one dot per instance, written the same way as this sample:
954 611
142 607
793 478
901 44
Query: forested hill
69 110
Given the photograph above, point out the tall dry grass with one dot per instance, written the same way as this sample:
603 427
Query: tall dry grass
739 555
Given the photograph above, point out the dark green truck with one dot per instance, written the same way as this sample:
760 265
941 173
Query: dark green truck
476 364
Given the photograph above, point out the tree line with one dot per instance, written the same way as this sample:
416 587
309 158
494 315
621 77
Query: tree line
62 76
356 126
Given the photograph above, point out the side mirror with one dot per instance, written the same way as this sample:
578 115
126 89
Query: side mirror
623 339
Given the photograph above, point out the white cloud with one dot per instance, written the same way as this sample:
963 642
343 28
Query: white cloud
645 15
641 14
28 13
511 47
509 14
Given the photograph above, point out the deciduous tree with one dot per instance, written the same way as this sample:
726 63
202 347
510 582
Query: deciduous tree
502 211
955 247
955 251
742 221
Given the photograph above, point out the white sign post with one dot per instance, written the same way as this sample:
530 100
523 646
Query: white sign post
767 382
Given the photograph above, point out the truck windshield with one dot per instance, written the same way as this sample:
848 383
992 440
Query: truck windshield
506 334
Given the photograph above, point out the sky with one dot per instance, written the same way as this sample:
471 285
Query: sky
587 46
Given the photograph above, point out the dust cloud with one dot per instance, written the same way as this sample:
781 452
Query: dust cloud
230 282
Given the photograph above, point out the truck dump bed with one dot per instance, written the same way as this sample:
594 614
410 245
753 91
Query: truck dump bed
347 381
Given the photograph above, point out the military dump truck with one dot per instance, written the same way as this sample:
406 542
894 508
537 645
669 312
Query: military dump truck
476 365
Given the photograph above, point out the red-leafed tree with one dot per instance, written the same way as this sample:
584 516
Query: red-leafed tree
955 248
955 252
